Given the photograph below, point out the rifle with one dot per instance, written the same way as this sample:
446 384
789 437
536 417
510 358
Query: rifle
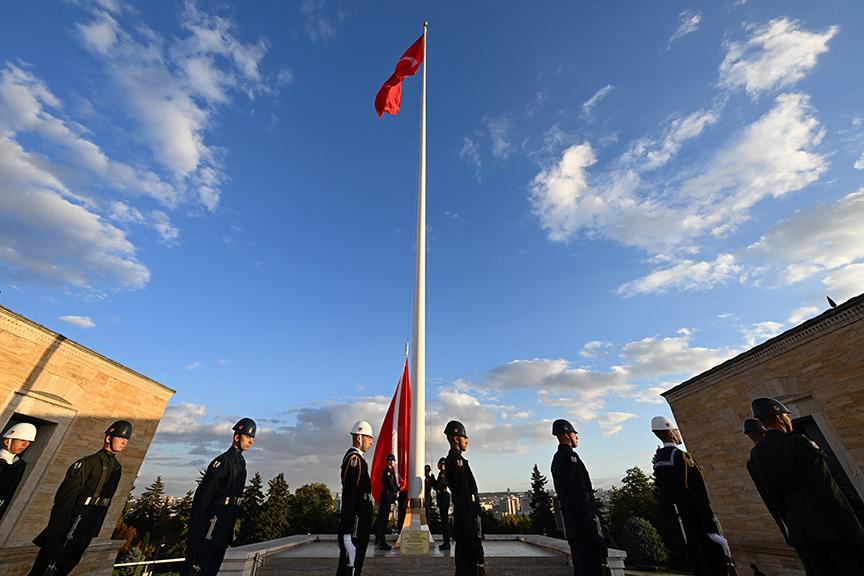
52 568
680 522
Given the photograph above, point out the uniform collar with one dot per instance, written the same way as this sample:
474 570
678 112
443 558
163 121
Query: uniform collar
7 456
457 453
565 448
669 445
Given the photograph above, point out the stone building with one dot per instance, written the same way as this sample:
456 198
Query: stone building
817 370
72 394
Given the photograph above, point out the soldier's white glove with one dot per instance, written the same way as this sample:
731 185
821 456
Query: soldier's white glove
721 541
349 549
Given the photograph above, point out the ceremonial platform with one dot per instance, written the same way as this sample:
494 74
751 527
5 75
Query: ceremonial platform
506 555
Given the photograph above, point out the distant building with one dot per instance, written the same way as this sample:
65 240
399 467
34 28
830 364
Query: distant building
71 394
817 370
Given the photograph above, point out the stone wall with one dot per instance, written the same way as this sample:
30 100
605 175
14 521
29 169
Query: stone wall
817 369
73 394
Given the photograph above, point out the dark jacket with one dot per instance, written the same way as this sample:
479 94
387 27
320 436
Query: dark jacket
10 478
71 504
442 496
389 485
217 498
679 481
575 494
356 493
466 500
792 476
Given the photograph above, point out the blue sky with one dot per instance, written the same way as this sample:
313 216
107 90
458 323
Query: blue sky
621 195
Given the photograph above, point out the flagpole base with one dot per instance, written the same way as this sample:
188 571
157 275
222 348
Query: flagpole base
415 537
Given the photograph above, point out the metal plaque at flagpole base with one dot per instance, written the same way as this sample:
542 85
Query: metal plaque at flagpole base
415 537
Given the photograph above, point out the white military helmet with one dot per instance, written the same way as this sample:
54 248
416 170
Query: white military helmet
362 427
21 431
659 423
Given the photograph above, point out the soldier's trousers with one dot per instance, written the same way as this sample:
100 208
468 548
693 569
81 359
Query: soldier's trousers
444 512
62 559
203 558
360 539
587 558
381 524
469 556
706 557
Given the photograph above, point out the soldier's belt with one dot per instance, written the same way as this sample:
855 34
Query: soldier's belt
94 501
367 497
234 500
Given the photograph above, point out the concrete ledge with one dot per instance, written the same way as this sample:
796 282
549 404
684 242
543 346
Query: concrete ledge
244 560
287 556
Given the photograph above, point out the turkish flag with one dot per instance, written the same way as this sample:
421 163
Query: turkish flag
389 97
395 437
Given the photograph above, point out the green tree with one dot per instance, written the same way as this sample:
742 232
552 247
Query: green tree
248 526
642 543
634 498
180 512
312 509
131 555
149 515
276 509
542 517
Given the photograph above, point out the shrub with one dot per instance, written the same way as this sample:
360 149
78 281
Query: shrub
642 543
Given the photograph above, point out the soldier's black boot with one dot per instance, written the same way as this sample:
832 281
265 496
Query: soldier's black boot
444 546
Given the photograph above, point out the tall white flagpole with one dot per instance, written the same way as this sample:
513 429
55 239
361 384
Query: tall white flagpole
418 364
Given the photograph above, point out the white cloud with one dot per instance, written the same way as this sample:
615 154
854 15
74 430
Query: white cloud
80 321
776 55
499 134
815 240
845 283
649 154
593 349
686 275
49 236
761 331
589 105
859 164
613 422
173 88
688 22
800 314
100 34
470 153
652 394
319 27
194 365
652 357
770 157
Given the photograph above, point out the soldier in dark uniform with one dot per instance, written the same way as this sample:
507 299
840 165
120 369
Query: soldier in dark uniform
389 493
680 486
792 476
80 505
442 499
754 430
216 505
576 496
467 529
15 441
428 481
355 520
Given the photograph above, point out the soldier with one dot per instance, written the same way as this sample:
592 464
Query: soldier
389 492
428 482
792 476
754 430
15 442
216 505
576 496
442 499
467 529
355 520
80 505
680 485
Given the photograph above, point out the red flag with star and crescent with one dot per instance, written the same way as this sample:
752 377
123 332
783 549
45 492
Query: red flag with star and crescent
389 97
